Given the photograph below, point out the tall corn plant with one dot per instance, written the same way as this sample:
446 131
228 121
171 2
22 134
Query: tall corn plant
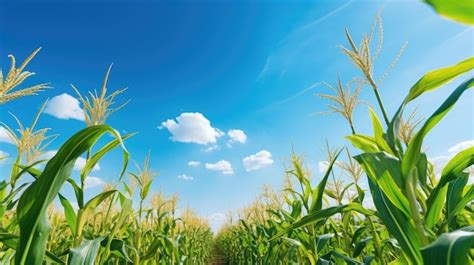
31 210
416 208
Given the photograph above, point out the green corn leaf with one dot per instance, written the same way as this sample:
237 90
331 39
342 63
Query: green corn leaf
92 161
414 147
317 216
439 77
118 248
385 171
31 209
451 171
317 195
363 142
450 248
428 82
91 205
460 10
360 246
86 253
455 192
397 223
322 240
11 241
378 133
69 213
467 198
126 204
422 170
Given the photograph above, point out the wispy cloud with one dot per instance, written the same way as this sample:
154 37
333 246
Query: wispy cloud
280 58
194 163
320 19
185 177
292 97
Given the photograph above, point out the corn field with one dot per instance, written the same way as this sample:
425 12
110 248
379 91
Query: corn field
414 216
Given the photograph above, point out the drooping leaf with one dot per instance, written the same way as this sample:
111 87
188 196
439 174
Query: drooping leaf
316 216
86 253
450 248
428 82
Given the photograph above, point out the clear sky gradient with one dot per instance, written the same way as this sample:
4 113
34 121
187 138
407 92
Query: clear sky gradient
249 66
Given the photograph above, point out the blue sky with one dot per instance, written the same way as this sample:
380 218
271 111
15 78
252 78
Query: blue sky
245 66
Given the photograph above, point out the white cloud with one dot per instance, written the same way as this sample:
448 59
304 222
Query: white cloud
224 166
192 128
92 182
185 177
5 136
194 163
216 217
216 220
65 107
258 160
212 148
79 165
237 136
461 146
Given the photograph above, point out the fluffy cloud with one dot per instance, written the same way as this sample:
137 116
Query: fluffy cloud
92 182
65 107
216 220
194 163
461 146
79 165
237 136
185 177
223 166
192 128
258 160
5 136
212 148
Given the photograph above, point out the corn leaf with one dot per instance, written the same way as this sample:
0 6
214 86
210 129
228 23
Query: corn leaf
317 216
318 192
69 214
450 248
385 171
451 171
31 209
414 148
460 10
428 82
86 253
397 223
